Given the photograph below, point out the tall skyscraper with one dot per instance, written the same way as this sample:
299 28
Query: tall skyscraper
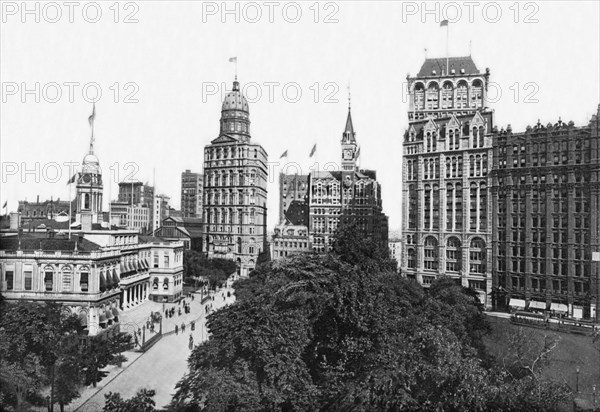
235 188
546 203
191 194
447 155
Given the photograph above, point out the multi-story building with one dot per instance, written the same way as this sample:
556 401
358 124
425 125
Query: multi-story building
293 189
191 194
395 247
346 196
94 271
235 188
160 210
546 218
447 155
185 229
289 239
136 192
125 216
33 213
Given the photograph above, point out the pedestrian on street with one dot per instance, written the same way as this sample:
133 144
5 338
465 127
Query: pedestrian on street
179 312
182 327
176 329
193 325
191 342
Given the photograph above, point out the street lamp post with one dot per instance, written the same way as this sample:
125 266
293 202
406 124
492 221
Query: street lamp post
577 382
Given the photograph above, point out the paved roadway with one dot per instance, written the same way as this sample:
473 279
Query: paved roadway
161 367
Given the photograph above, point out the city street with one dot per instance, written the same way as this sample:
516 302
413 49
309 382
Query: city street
163 365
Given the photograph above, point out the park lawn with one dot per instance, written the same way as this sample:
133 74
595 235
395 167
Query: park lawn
573 350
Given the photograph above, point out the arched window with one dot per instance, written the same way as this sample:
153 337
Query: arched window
239 245
481 136
461 94
419 96
447 95
155 284
430 253
477 256
166 283
477 94
432 96
453 255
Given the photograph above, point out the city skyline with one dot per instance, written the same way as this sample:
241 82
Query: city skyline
174 121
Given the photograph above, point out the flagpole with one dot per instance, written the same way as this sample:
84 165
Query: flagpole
70 207
447 42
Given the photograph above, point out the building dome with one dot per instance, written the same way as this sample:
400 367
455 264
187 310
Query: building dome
91 164
235 100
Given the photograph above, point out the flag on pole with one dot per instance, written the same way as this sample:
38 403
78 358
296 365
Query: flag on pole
313 150
358 152
72 179
233 60
284 154
93 116
5 204
443 23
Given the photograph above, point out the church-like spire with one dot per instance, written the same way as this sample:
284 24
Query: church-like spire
349 135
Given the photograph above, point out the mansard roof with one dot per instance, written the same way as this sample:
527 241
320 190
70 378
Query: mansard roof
439 64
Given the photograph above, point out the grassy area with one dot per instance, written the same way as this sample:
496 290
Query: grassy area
571 351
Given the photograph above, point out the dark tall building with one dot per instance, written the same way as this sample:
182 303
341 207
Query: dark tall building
546 208
292 189
447 154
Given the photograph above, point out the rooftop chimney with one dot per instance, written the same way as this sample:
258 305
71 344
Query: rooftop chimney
15 220
86 222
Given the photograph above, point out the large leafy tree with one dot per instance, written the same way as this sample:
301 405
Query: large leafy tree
38 346
343 332
141 402
214 271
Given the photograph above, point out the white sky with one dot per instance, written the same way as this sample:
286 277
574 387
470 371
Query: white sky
171 54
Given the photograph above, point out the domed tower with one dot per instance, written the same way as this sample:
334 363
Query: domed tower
89 184
235 115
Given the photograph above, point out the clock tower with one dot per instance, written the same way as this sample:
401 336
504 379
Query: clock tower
89 184
349 151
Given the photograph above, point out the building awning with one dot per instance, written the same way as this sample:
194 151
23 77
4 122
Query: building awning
534 304
102 281
102 318
123 268
517 303
83 319
559 307
115 312
116 278
109 315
